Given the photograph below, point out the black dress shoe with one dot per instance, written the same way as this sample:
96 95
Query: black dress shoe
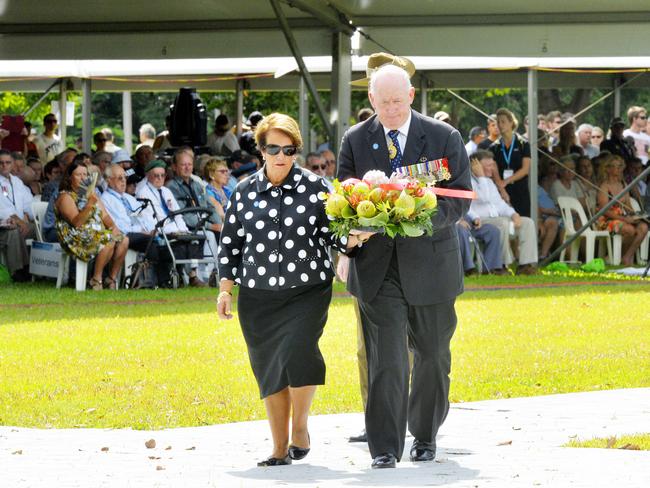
272 461
423 451
297 453
384 461
359 438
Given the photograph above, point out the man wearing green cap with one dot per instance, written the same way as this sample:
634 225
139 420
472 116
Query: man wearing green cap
162 204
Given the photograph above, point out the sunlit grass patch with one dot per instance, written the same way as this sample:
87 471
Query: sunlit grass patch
156 359
634 442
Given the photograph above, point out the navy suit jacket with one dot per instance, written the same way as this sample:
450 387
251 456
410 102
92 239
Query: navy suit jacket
430 267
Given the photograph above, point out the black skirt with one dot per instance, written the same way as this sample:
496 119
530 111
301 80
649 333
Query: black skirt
282 329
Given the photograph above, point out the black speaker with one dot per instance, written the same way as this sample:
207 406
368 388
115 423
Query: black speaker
189 119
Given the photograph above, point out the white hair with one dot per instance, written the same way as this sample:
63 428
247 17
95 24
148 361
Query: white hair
108 171
584 127
389 70
148 130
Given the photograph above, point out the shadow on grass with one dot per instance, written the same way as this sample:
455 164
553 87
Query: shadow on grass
41 302
496 291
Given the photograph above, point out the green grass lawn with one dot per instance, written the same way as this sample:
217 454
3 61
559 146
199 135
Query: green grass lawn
154 359
633 442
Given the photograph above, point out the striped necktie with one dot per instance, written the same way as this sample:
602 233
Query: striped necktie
163 203
394 151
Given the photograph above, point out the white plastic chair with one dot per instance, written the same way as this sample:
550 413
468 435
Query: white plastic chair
81 272
642 252
568 205
39 209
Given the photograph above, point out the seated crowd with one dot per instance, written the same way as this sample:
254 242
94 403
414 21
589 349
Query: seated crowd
131 202
583 163
134 194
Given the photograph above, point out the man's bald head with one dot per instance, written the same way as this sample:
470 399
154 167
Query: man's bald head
391 94
389 74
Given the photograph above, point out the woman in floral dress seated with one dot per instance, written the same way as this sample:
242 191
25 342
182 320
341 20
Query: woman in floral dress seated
86 230
619 219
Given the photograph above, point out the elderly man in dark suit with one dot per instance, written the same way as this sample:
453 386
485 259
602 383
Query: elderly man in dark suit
406 287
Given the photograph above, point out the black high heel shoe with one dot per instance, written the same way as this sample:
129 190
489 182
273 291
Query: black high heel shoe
272 461
298 453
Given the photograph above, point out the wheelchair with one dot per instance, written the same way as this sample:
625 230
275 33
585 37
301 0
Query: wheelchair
168 242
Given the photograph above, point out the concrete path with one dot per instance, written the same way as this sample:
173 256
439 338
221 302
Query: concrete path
500 443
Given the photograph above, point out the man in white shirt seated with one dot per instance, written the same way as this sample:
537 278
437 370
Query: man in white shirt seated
127 214
16 218
490 207
162 204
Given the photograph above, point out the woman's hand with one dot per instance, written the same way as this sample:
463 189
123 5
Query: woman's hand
358 237
342 268
92 200
224 305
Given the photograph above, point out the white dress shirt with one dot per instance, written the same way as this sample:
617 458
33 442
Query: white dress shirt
401 136
124 210
471 148
488 202
15 198
149 191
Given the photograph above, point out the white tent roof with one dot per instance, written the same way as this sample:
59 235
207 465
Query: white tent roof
166 42
265 73
280 66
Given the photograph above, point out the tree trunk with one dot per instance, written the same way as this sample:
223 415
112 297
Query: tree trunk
550 100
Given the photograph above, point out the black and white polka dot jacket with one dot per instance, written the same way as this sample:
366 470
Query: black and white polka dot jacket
277 237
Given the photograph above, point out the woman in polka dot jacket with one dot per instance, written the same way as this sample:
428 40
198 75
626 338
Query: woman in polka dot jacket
275 244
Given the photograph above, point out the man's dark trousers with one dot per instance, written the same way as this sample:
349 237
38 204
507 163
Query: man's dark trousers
427 331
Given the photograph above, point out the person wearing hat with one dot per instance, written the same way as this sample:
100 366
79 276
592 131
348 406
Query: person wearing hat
247 140
162 203
222 142
617 144
123 158
442 116
375 61
397 281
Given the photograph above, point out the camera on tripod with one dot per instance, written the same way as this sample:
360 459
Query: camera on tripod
188 121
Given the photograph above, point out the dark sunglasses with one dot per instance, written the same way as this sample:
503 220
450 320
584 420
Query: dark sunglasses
50 121
274 149
317 166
